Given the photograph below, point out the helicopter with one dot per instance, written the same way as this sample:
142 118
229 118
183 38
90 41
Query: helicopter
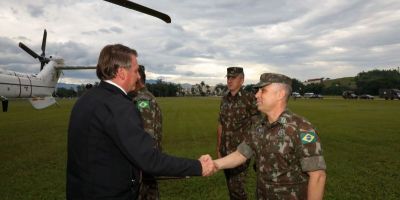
38 88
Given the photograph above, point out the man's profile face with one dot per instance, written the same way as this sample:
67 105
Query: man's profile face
234 83
267 98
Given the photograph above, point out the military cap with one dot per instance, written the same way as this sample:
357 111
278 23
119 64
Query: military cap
234 71
268 78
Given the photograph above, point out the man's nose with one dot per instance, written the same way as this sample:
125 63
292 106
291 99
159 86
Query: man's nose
258 93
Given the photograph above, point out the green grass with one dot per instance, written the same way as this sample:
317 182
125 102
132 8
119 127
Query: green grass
360 141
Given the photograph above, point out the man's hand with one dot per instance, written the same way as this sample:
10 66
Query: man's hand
207 165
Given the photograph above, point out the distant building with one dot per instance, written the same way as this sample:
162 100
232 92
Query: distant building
315 80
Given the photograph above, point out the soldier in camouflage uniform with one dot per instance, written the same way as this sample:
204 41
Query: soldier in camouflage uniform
237 107
286 147
152 124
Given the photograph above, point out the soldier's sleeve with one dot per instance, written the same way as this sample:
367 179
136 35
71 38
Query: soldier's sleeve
253 105
245 150
309 148
246 147
158 124
146 108
158 116
219 114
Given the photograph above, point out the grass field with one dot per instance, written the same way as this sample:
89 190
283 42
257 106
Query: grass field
360 141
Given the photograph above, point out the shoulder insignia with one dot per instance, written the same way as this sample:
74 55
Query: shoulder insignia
143 104
308 137
283 120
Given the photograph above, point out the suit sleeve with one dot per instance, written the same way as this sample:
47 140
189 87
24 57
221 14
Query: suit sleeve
124 127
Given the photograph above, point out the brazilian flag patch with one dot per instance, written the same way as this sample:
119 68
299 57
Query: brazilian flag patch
141 104
308 137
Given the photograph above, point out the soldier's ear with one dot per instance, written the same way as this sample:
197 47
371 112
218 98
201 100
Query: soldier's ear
281 94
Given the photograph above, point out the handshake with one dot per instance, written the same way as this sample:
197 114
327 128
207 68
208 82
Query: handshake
209 167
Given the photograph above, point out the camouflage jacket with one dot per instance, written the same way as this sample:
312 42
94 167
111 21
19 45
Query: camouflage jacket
151 114
284 152
235 117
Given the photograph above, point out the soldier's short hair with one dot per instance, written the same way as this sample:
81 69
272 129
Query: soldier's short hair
113 57
142 74
286 88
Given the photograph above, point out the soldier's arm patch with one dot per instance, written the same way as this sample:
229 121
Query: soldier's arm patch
245 150
308 137
313 163
142 104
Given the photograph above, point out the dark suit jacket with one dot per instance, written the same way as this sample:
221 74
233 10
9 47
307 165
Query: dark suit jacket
107 146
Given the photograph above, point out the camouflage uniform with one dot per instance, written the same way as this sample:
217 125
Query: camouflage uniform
152 124
234 116
284 151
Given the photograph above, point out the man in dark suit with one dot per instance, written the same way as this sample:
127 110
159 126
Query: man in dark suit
107 146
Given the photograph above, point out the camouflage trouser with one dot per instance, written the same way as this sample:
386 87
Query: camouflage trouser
292 192
149 189
236 183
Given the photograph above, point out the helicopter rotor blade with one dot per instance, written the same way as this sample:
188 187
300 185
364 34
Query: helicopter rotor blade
44 43
42 65
28 50
143 9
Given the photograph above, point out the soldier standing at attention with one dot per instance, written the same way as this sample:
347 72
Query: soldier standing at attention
236 109
286 147
152 124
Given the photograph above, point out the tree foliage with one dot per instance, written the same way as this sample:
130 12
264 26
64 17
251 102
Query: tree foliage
164 89
297 86
336 88
64 92
316 88
370 82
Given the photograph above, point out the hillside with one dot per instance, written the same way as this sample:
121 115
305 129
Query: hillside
346 81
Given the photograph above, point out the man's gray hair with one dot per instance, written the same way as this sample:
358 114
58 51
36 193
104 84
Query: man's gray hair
286 88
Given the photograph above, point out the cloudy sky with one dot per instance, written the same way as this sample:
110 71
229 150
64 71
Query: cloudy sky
302 39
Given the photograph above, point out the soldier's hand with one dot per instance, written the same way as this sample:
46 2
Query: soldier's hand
207 165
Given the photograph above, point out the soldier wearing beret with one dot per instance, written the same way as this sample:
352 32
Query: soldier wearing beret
286 147
236 109
152 124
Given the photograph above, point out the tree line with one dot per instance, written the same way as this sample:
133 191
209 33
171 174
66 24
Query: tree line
365 83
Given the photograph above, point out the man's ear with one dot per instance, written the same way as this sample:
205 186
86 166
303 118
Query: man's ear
242 80
281 94
121 73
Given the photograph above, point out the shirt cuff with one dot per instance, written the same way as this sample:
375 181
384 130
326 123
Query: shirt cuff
314 163
245 150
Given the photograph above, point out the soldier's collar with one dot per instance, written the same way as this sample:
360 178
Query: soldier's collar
239 93
282 119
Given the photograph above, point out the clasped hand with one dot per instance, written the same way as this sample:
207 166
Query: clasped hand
208 165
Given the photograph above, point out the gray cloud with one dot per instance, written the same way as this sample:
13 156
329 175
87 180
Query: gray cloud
113 29
304 39
35 10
